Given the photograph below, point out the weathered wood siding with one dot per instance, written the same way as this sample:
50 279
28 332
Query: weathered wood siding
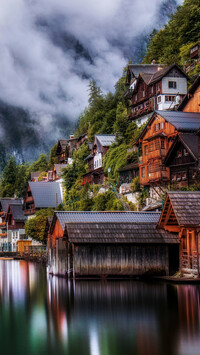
119 260
193 104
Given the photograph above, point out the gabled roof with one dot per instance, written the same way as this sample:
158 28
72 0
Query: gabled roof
137 69
5 202
104 140
58 167
161 73
186 206
182 121
17 213
191 91
190 142
114 216
63 143
46 194
118 232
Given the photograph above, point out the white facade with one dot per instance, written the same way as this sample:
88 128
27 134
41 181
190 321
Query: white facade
141 120
97 160
14 236
172 88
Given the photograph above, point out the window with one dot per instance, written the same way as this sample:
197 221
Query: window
178 177
143 93
185 152
161 125
148 171
162 144
152 90
194 175
172 84
158 126
151 147
143 172
158 99
170 98
179 153
174 177
184 176
146 150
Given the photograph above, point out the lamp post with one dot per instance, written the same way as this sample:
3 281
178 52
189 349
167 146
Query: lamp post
109 170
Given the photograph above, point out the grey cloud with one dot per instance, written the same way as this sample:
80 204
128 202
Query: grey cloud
51 49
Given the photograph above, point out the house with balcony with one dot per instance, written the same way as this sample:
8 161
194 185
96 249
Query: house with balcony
154 143
161 88
15 220
48 194
194 58
4 204
100 146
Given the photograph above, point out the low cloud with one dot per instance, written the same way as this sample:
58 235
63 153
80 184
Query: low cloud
51 49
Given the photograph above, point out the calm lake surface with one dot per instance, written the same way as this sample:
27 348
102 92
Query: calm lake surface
49 315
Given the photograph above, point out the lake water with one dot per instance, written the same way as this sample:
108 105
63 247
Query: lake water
49 315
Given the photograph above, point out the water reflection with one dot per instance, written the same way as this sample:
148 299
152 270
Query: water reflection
49 315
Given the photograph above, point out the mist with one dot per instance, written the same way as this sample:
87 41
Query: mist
50 50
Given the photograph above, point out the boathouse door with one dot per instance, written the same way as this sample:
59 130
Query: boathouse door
189 250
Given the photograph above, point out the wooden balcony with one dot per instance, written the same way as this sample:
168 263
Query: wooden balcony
140 113
29 211
155 176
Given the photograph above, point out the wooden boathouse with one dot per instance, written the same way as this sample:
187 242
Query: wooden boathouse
181 214
111 244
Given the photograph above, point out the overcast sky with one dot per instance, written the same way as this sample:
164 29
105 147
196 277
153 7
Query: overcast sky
50 49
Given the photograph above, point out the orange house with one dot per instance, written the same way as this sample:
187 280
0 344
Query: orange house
155 141
191 101
181 214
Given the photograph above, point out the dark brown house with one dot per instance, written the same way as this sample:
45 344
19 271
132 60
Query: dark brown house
101 144
119 249
183 160
110 243
154 88
181 214
42 195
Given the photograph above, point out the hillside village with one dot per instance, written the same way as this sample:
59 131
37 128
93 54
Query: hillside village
121 195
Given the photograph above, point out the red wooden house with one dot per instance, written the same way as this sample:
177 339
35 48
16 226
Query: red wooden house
155 141
181 214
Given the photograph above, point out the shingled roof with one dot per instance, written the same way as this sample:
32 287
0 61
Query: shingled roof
111 217
46 194
118 233
186 206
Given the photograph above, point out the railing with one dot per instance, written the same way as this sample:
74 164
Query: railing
29 211
141 112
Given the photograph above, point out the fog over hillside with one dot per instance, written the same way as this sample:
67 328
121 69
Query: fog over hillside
49 52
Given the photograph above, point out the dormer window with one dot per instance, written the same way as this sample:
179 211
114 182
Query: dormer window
172 84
